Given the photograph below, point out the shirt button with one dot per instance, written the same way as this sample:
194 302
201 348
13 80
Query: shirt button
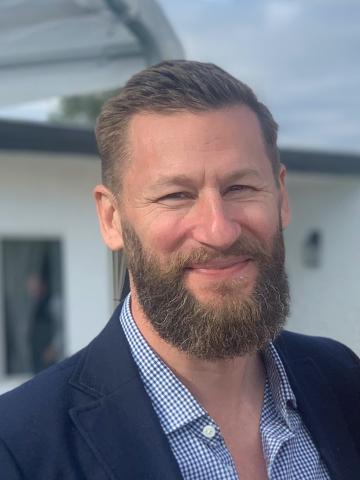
209 431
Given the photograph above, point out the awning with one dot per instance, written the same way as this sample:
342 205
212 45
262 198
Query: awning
64 47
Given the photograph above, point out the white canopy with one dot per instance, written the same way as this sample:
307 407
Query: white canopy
64 47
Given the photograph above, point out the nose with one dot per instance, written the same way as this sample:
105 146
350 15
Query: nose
215 224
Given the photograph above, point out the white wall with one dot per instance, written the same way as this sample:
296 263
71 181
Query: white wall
326 300
51 196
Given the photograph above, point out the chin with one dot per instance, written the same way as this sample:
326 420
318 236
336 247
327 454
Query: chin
221 292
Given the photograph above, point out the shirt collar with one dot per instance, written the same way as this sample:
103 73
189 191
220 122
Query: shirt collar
283 397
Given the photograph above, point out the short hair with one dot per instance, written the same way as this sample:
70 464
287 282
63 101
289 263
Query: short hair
170 87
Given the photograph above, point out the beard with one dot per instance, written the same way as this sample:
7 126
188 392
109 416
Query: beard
232 323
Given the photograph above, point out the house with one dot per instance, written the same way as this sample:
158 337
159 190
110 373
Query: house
50 243
58 283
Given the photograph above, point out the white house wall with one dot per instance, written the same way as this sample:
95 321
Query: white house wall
51 196
47 195
326 300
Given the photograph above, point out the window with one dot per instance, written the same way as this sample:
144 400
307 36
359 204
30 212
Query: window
32 301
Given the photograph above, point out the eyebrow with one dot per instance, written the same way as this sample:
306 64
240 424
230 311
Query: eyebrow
185 181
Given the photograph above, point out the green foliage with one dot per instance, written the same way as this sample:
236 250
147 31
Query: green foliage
80 109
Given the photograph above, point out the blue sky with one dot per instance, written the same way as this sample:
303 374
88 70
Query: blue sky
302 57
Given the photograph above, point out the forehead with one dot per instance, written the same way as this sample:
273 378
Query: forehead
186 140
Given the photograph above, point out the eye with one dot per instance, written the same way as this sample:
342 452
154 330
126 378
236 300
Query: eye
240 188
176 196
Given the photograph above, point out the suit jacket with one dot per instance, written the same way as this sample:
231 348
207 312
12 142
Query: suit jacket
89 416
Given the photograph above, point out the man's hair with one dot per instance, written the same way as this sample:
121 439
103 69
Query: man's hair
169 87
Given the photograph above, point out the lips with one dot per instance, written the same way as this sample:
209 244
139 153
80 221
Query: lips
221 264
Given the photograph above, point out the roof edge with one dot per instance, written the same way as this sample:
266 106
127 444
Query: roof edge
41 137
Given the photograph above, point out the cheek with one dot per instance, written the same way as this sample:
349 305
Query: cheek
164 234
263 223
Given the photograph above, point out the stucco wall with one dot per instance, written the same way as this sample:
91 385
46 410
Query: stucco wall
51 196
326 300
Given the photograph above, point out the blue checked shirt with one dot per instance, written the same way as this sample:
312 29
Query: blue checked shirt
196 440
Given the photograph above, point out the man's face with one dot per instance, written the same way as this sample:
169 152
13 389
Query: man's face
201 220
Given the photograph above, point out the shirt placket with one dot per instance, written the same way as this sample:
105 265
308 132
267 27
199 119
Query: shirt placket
210 435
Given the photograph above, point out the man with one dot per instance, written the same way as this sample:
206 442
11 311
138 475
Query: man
193 377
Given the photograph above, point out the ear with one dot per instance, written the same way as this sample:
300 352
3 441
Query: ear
285 210
109 217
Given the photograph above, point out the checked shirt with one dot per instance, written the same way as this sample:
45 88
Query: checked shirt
196 440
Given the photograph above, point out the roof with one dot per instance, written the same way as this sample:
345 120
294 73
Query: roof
38 137
315 161
67 47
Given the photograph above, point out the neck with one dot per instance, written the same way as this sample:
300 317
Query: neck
225 388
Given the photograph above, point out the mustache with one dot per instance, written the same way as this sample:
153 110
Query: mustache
243 246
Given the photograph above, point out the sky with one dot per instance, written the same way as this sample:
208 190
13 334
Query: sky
302 58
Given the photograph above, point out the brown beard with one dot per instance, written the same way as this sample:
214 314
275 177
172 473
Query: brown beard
232 324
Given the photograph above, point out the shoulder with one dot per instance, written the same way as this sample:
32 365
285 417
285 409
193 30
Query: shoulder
53 389
34 419
35 414
326 351
337 364
37 428
33 398
76 381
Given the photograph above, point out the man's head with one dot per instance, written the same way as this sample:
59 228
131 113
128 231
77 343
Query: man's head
169 87
200 214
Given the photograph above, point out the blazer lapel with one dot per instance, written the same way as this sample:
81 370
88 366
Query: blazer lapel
118 422
322 415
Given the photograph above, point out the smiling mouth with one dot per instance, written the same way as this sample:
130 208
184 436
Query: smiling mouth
219 266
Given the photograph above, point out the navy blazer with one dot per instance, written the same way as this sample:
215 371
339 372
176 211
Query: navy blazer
89 416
